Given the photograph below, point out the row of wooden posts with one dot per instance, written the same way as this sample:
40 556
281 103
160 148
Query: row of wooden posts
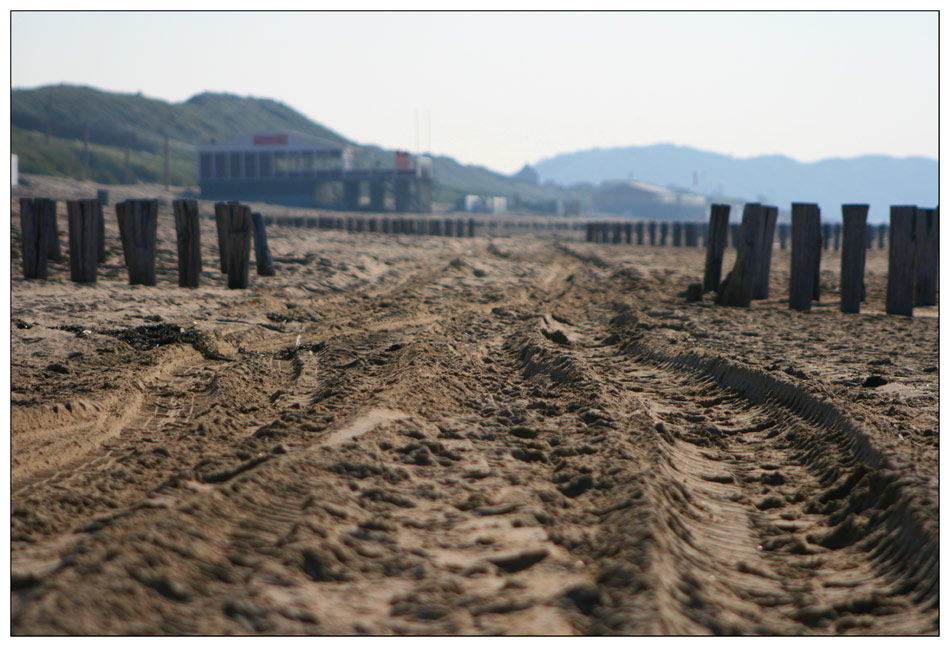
689 234
912 260
138 223
452 227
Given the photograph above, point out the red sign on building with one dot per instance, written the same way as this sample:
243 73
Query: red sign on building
270 140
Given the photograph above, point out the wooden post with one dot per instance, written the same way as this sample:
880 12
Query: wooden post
221 218
783 235
677 234
265 264
102 196
900 269
640 233
664 229
83 240
854 217
238 235
34 229
101 245
138 222
651 230
761 288
740 284
690 237
881 235
870 241
617 233
718 235
825 236
471 227
806 220
734 235
188 233
628 232
837 235
927 252
816 286
54 253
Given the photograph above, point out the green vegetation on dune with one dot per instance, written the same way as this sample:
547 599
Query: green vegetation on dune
64 158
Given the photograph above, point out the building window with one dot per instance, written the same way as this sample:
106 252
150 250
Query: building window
220 166
236 165
293 163
306 163
250 165
280 164
206 166
267 165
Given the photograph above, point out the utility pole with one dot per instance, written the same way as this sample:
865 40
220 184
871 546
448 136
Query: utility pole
85 154
128 165
167 166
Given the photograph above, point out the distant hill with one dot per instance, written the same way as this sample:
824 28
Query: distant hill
877 180
49 126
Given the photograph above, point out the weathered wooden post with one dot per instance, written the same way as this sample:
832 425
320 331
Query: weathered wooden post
471 227
222 215
103 197
806 235
83 217
617 233
651 230
690 237
825 235
188 233
740 283
138 223
718 235
816 287
101 233
34 229
761 288
870 241
628 232
677 234
837 235
664 230
881 235
854 217
238 235
460 228
927 252
900 269
265 263
734 235
51 222
782 235
640 233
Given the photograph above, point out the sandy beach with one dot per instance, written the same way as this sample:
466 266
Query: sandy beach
515 434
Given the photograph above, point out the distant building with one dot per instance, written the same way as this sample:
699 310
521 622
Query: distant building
300 170
642 200
486 204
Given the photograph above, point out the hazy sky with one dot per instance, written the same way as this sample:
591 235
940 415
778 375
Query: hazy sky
502 89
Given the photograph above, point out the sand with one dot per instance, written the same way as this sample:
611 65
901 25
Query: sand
521 435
